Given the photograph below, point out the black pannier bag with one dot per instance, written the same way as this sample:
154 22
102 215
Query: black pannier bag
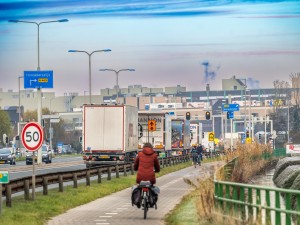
136 196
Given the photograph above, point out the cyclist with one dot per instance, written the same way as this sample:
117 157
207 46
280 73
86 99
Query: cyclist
146 164
199 151
194 155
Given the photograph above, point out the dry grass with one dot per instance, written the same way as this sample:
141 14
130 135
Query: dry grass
250 161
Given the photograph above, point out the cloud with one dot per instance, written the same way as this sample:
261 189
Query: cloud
135 8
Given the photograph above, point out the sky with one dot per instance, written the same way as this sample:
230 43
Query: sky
168 42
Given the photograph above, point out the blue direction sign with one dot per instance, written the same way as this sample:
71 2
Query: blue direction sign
38 79
230 114
230 107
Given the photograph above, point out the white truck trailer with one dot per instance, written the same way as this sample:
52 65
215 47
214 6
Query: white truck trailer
155 128
110 134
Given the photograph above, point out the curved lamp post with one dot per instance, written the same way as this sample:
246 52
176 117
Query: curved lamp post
38 27
39 93
117 78
90 73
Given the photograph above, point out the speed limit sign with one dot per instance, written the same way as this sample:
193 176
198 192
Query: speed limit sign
32 136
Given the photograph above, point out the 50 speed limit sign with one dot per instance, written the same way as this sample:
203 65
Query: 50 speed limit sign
32 136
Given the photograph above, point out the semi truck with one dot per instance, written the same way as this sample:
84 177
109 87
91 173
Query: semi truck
180 136
155 128
110 134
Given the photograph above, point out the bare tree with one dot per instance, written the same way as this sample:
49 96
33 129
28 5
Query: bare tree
295 94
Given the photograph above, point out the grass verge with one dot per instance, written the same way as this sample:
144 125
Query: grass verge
44 207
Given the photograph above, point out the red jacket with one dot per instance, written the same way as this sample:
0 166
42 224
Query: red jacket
146 163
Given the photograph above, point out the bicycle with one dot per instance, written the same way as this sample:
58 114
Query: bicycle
145 197
195 159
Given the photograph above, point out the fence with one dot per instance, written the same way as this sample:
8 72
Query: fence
251 202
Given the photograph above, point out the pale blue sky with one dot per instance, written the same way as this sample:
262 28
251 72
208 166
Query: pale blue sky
166 42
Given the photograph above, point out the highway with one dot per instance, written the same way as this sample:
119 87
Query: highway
58 164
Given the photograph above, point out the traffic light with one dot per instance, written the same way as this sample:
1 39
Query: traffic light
207 115
6 140
17 138
247 134
188 116
259 136
228 115
202 134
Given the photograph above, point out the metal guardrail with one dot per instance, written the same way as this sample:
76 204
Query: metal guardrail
24 184
250 202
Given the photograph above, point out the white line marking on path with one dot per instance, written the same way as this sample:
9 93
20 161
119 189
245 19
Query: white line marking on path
111 213
105 216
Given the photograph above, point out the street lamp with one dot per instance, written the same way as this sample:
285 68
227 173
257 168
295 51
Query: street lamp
39 94
90 74
19 125
38 26
117 79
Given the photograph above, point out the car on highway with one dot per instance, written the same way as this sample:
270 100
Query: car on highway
46 155
7 155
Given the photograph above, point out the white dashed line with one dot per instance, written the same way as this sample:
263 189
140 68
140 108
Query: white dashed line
111 213
105 216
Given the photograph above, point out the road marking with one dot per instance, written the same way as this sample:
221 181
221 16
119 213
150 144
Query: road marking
111 213
105 216
101 223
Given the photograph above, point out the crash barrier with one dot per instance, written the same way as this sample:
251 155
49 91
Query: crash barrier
24 184
251 202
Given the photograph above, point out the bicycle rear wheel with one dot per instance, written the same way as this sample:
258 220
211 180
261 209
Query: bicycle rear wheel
145 207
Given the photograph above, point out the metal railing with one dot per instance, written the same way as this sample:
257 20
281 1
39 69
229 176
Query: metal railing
24 184
251 202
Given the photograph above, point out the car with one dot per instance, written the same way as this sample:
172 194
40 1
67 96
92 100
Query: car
7 155
46 155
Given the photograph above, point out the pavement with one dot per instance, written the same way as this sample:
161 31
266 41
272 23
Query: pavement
116 209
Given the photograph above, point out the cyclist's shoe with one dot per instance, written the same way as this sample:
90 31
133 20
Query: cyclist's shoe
138 205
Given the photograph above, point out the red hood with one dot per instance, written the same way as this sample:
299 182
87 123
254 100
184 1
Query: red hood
148 151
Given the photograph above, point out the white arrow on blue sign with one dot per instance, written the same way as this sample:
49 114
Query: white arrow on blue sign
38 79
230 107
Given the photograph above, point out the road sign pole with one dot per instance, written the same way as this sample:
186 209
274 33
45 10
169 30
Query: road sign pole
0 198
32 139
39 112
33 176
231 138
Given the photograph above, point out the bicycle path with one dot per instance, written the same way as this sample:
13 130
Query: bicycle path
116 209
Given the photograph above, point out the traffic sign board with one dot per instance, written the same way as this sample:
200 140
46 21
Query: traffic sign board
38 79
211 136
4 177
230 107
32 136
230 114
151 125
